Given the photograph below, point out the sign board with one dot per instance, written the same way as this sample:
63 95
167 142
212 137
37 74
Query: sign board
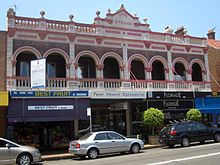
50 107
3 98
38 73
88 111
118 95
47 94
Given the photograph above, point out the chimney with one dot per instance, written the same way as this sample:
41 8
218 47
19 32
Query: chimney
211 34
181 31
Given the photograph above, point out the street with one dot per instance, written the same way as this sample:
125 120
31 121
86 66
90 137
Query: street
196 154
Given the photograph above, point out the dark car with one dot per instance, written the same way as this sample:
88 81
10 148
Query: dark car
185 132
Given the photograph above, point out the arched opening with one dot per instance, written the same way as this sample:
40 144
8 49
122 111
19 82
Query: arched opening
179 72
137 70
111 68
196 72
158 70
55 66
23 64
87 67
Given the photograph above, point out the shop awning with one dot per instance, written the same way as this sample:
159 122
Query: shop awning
210 110
47 109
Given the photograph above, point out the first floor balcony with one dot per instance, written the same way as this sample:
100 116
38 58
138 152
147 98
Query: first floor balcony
65 84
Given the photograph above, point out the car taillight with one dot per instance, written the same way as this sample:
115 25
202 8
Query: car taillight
173 132
77 145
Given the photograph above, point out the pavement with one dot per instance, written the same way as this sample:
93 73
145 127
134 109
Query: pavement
57 156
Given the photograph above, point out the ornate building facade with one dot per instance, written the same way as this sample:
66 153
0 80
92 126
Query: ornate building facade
117 66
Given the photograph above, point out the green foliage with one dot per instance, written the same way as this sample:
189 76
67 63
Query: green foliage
153 118
194 114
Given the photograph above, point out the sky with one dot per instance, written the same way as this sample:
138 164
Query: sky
197 16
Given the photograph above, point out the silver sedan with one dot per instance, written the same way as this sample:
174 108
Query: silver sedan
104 142
12 153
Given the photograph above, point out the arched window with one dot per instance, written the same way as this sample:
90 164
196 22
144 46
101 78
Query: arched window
111 68
157 71
179 72
196 72
137 70
24 63
56 65
87 67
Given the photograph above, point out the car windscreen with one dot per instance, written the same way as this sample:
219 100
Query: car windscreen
86 136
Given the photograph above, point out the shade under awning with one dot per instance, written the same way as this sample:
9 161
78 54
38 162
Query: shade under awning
47 109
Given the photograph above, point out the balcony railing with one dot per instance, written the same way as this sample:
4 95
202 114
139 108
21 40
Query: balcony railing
94 29
23 83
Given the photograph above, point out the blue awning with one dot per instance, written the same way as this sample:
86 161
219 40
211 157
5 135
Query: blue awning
210 110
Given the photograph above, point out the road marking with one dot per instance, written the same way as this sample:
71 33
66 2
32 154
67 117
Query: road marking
184 159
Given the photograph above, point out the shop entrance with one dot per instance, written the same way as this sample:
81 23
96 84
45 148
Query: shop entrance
45 135
106 119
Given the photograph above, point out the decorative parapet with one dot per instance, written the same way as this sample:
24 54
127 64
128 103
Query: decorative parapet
120 24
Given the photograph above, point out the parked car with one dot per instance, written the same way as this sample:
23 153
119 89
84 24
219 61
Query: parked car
13 153
104 142
185 132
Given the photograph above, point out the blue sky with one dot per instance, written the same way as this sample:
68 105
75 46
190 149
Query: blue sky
198 16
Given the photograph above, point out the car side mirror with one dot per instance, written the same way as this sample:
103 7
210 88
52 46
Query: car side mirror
7 145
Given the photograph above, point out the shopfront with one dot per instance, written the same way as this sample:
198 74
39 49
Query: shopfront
114 109
173 104
45 119
210 109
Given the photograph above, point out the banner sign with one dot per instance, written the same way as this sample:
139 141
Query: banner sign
38 73
118 95
38 94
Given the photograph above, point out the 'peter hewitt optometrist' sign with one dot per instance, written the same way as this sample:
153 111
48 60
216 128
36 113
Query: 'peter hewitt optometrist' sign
118 94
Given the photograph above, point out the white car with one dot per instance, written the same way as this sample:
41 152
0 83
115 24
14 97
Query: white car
104 142
13 153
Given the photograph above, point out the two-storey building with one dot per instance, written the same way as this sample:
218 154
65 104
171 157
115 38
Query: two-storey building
210 106
117 66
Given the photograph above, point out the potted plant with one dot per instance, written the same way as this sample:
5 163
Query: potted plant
153 118
194 114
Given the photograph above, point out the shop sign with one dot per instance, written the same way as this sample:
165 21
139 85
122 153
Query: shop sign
170 95
3 98
37 94
50 107
118 95
171 104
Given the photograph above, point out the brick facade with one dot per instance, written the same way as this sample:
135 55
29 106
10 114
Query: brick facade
214 67
3 39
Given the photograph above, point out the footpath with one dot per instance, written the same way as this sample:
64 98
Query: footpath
66 155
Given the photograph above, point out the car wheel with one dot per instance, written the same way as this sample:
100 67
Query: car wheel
24 159
93 153
217 137
185 142
135 148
